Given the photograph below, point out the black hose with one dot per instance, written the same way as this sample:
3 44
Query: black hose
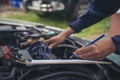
67 46
25 74
101 72
71 41
70 73
13 73
28 72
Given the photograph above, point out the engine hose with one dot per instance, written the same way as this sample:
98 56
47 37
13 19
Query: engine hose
26 73
12 74
29 71
68 46
101 72
70 73
71 41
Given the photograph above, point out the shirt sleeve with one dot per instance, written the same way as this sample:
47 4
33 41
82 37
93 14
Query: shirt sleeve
116 41
96 11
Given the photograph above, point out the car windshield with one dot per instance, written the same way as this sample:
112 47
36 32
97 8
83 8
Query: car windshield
115 58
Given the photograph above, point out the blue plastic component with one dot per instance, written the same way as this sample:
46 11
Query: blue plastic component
41 48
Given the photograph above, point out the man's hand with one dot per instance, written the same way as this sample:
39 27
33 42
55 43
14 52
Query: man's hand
97 51
54 41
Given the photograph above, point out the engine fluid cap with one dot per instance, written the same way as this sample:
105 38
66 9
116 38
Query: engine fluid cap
6 52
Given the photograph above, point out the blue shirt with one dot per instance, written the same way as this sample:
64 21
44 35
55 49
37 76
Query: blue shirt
97 10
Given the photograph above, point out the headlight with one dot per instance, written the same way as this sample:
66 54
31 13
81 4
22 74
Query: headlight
46 7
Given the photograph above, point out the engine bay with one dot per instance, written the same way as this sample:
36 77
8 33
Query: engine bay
21 39
23 42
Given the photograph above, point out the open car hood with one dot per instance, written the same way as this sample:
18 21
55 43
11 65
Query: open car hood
25 56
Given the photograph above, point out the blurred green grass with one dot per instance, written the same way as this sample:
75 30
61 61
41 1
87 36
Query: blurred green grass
59 22
98 28
51 21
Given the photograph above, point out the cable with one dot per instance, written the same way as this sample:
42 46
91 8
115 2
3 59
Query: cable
49 51
71 41
44 54
70 73
13 73
38 53
67 45
101 72
33 69
26 73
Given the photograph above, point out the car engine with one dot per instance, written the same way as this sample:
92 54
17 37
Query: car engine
23 42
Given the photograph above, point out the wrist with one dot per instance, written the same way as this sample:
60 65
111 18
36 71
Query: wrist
116 41
67 33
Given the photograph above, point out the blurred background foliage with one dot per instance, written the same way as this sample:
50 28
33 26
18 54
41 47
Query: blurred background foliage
54 20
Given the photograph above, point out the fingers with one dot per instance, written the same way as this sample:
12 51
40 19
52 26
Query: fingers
91 52
88 56
54 41
53 45
48 41
88 49
91 56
